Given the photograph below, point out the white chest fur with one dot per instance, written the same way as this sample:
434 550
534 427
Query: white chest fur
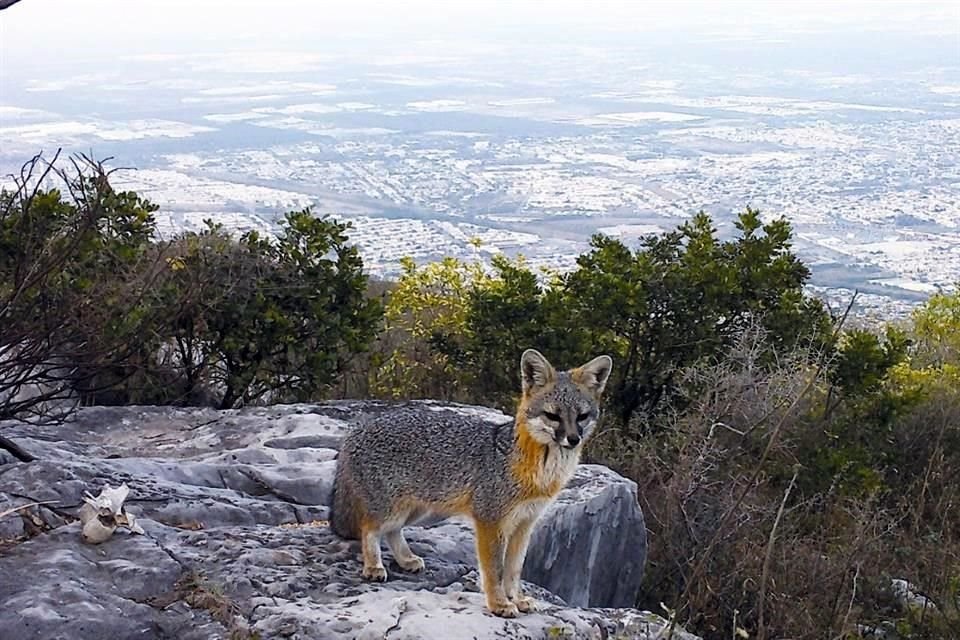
527 511
558 467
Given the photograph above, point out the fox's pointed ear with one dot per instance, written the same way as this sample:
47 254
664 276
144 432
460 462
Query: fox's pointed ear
535 370
595 373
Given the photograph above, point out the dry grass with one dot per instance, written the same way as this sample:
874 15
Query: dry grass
748 532
302 525
200 593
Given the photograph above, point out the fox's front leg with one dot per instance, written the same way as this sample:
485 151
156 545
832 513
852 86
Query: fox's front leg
491 552
516 553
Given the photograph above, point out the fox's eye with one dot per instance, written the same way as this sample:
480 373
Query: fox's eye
552 417
583 416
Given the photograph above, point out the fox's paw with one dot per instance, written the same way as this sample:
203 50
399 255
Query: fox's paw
413 564
375 574
505 609
525 604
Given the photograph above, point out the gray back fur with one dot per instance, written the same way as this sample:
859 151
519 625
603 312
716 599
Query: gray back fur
422 451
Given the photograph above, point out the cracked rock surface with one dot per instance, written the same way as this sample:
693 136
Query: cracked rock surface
234 505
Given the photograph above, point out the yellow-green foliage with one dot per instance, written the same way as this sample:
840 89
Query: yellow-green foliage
452 329
934 365
917 383
937 327
428 300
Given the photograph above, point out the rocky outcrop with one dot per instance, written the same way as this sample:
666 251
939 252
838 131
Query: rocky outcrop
234 507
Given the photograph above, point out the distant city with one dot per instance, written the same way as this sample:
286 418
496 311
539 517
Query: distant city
422 153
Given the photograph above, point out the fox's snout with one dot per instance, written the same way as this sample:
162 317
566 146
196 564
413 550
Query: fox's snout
570 441
568 434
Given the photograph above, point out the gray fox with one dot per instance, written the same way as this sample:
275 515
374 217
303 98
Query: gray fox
411 462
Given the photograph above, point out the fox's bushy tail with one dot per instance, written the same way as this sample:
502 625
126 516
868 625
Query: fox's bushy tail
347 507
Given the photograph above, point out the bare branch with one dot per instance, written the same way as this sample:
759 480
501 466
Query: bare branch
765 574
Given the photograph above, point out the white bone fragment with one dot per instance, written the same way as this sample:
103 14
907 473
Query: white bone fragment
101 515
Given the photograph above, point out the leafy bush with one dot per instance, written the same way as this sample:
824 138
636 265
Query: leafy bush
677 299
95 310
427 304
685 296
76 268
268 320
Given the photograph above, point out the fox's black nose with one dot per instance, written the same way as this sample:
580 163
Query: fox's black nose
574 440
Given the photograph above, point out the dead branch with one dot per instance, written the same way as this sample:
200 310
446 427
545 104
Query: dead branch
765 573
15 450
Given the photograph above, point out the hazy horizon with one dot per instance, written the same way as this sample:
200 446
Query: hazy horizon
36 32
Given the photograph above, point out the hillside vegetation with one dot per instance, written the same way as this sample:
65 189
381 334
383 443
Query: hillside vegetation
790 465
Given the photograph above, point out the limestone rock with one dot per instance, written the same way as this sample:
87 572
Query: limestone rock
233 505
909 598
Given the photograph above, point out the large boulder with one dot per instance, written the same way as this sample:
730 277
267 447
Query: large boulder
234 506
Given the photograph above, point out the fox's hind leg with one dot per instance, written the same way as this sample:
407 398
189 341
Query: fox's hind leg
407 559
373 568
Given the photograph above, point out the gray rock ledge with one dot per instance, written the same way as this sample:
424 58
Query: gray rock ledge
234 505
